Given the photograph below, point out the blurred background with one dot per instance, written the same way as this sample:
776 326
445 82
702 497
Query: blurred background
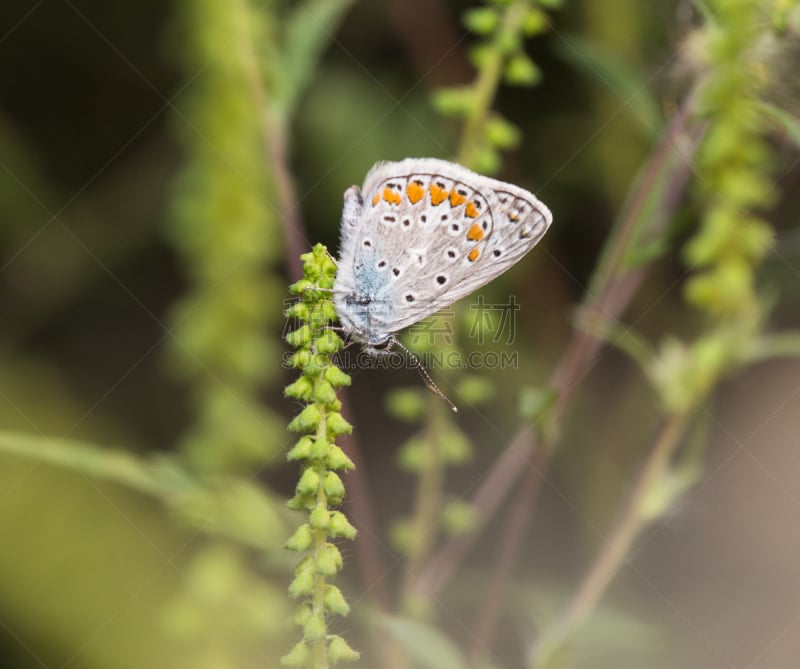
143 274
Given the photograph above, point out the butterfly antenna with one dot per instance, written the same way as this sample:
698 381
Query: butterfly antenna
426 378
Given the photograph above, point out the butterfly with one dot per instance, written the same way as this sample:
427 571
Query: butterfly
420 234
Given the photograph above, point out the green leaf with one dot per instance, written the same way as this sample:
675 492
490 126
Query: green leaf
308 30
426 645
98 462
624 81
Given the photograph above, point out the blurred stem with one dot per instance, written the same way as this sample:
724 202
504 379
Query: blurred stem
491 70
427 506
614 285
614 288
273 133
633 520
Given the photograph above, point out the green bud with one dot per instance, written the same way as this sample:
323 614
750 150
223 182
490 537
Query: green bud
456 447
301 539
340 527
299 310
302 501
329 342
324 393
300 337
336 377
522 71
301 450
413 455
308 483
474 389
407 404
401 535
301 359
534 23
300 389
339 651
301 615
338 460
320 517
301 286
315 627
299 656
335 602
459 518
338 425
454 101
301 585
329 562
334 488
482 20
320 449
328 310
501 133
479 55
306 421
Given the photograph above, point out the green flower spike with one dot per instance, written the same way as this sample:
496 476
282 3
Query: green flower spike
319 488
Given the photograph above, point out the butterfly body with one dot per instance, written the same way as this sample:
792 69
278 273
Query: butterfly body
420 234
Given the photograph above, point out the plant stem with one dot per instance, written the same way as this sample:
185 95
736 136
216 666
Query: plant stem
427 506
273 132
618 545
614 287
319 648
488 81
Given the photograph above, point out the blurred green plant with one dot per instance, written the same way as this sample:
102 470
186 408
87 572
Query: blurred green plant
226 233
734 181
234 210
320 489
502 27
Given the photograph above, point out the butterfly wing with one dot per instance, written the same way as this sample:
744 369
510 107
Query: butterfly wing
429 232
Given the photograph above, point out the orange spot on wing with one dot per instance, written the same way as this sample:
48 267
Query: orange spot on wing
514 217
415 192
438 195
456 199
471 210
390 196
376 199
475 233
473 255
